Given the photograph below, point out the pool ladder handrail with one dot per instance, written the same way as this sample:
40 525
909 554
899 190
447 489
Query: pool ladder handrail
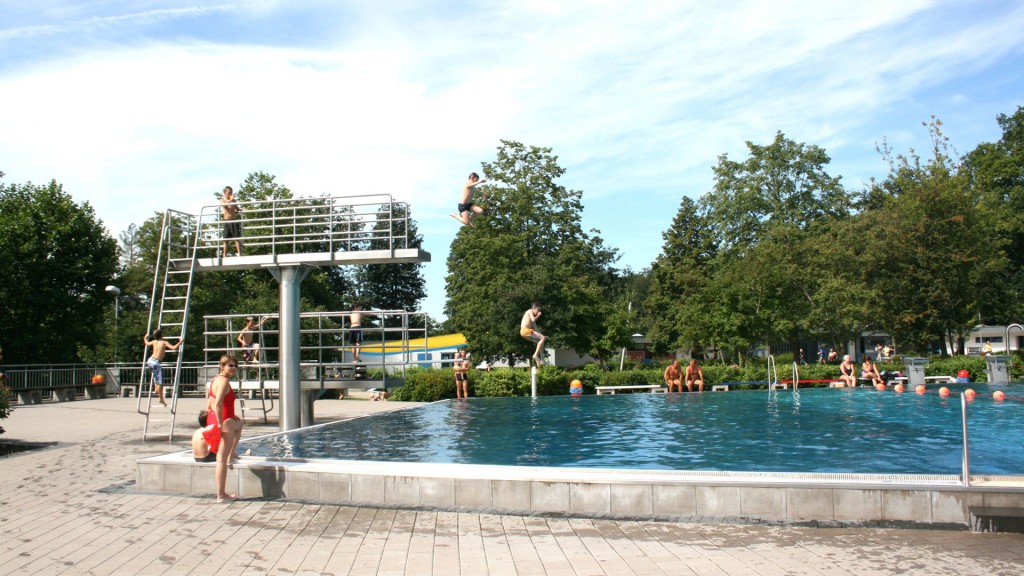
1006 340
773 375
796 380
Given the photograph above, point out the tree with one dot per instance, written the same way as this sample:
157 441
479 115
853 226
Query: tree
676 302
527 247
931 245
997 172
57 258
393 286
766 212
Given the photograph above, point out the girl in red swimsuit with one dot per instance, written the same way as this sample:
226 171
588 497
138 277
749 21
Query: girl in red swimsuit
221 406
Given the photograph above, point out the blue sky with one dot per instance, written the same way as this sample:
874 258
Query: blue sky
146 105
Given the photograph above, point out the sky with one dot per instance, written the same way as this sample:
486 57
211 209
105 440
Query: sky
141 106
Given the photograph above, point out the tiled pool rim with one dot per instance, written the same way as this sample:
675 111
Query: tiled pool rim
592 492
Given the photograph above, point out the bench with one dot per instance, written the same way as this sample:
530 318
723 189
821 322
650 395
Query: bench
60 393
637 387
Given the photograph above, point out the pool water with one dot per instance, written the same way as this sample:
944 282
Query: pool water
821 430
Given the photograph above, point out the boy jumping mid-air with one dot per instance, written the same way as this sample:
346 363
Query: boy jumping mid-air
528 330
467 210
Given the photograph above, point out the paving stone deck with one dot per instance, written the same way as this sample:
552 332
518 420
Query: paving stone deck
73 509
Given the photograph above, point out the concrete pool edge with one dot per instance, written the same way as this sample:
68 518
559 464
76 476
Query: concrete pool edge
794 497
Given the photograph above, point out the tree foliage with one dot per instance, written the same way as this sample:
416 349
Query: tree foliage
393 286
528 247
932 246
779 251
57 258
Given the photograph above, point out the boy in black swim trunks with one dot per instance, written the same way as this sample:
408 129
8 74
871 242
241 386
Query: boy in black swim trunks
230 214
467 210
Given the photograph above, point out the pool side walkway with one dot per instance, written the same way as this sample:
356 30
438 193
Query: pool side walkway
73 509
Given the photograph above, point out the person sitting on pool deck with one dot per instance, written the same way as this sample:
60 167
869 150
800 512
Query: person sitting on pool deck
694 375
201 450
846 375
674 376
869 370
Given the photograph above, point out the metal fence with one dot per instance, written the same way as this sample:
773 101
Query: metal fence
48 377
310 225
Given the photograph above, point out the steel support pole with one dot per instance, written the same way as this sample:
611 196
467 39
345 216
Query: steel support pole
966 467
289 280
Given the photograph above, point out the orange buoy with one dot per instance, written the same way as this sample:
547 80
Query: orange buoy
880 387
920 389
998 395
969 394
943 391
898 388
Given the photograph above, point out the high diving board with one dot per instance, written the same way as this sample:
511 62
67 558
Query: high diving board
247 262
288 237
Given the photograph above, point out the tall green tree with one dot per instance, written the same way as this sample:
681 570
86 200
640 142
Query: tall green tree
528 247
393 286
677 300
766 211
997 173
932 245
57 258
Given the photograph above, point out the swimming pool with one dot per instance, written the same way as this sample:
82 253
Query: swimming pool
821 430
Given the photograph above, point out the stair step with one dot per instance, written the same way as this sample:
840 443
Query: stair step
996 519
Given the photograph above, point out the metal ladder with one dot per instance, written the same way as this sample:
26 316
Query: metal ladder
168 311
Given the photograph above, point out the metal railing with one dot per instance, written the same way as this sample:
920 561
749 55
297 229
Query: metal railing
310 225
324 346
48 376
52 376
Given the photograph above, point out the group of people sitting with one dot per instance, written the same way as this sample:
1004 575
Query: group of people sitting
694 376
868 371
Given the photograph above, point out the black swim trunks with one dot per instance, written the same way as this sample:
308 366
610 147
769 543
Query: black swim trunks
355 336
465 207
232 229
211 457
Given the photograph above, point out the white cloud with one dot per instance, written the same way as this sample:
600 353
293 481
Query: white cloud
152 109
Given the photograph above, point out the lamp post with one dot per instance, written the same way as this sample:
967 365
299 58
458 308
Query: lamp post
117 313
622 359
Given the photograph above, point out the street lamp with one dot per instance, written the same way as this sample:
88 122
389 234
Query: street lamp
622 359
117 312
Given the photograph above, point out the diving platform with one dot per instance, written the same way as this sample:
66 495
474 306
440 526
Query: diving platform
245 262
288 237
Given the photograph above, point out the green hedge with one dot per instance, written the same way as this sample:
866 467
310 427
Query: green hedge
429 385
426 385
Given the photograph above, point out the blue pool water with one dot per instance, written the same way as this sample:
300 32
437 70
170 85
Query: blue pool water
824 430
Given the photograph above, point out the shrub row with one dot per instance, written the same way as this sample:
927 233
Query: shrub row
429 385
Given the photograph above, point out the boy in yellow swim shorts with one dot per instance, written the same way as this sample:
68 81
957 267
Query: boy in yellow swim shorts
528 330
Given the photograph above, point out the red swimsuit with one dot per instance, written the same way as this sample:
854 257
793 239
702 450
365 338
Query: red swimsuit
229 407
